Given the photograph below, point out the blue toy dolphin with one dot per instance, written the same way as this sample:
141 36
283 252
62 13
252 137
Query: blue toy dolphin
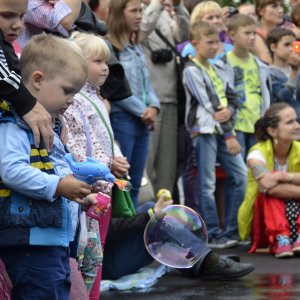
90 170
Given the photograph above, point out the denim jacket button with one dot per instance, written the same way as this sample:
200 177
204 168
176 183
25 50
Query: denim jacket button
21 209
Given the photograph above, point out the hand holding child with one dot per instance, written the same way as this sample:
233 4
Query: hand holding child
40 122
64 130
233 146
73 189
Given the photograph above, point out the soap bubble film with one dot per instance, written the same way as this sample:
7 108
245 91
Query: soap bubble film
176 236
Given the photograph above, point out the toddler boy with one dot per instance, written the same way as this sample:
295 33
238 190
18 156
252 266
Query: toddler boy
37 223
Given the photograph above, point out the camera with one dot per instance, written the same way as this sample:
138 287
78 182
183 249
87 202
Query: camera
161 56
296 47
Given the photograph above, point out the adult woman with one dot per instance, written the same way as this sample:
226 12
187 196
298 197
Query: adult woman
133 117
270 14
173 23
274 181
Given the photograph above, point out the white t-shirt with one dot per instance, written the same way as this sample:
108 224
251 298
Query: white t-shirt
256 154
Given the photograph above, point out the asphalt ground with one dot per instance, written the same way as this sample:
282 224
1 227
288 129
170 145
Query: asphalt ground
272 279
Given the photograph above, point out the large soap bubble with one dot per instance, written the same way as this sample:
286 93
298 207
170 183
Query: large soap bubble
176 236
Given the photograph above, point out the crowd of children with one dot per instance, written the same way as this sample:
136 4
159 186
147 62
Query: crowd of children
52 103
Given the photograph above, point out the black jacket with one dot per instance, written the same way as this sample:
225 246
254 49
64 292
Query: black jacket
11 87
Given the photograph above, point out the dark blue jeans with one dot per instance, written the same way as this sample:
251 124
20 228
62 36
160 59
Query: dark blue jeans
133 135
246 140
208 149
126 256
38 272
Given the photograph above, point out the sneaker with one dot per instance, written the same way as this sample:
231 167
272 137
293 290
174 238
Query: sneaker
284 248
296 245
221 243
226 269
236 237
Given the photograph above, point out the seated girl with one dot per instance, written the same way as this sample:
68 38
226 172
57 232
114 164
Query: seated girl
274 183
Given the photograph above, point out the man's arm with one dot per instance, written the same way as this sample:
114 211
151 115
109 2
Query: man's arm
14 91
58 16
11 87
68 21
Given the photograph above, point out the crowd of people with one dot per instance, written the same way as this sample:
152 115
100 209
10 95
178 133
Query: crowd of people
162 89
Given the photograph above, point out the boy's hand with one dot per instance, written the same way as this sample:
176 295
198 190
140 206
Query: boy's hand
73 189
222 115
233 146
40 122
88 201
120 167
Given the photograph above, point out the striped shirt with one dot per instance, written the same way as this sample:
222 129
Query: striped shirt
6 75
11 87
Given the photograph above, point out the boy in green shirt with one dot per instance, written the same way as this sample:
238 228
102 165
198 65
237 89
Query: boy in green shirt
210 111
250 76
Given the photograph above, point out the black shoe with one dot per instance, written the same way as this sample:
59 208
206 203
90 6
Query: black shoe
233 257
226 269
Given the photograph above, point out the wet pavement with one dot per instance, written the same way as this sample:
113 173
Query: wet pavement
272 279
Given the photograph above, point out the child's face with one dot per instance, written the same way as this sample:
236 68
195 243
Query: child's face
215 18
98 71
11 18
244 37
57 94
133 15
207 46
284 48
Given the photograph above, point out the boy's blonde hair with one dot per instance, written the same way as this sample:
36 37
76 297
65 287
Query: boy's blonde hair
239 20
201 9
92 46
51 55
200 29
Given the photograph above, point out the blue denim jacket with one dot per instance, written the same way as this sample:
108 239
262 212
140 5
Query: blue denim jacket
27 182
284 89
134 63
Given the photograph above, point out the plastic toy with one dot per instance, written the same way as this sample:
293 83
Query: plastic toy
92 170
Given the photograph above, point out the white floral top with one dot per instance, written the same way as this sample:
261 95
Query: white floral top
101 148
